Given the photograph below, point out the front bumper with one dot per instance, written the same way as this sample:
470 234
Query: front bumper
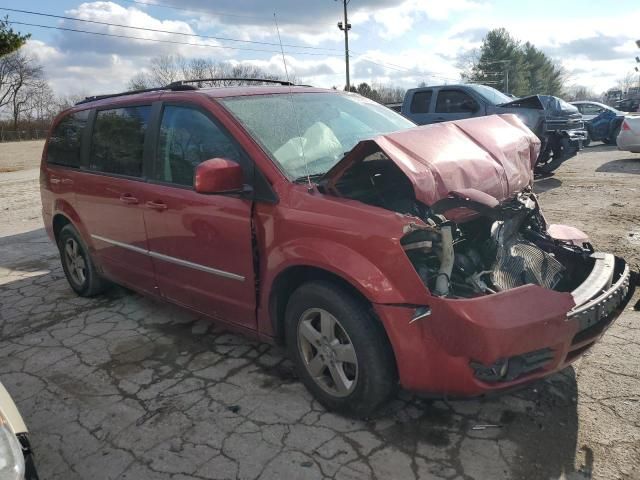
540 331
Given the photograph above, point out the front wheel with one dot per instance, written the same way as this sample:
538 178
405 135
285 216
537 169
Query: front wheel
340 350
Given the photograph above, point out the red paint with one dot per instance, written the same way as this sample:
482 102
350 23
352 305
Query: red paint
492 154
218 175
351 240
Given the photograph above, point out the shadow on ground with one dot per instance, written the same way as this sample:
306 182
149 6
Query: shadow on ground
624 165
121 386
546 184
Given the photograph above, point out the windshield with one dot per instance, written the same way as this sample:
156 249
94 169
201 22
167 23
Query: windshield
308 133
495 97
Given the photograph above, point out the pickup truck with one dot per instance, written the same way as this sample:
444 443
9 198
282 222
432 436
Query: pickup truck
558 125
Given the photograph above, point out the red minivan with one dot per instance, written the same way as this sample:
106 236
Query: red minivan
379 252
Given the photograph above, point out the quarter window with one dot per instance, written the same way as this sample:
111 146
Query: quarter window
65 142
187 138
421 101
117 144
454 101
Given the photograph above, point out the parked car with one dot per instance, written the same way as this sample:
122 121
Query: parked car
378 252
629 136
601 121
630 105
16 458
557 124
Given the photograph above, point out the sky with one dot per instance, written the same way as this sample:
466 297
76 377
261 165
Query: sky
399 42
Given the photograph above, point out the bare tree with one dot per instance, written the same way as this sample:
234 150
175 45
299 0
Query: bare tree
631 79
139 81
170 68
20 76
165 69
67 101
580 92
388 93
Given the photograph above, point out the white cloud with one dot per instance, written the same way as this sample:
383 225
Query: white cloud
400 19
402 42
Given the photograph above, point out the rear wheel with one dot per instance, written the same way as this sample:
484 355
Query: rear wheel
341 352
77 264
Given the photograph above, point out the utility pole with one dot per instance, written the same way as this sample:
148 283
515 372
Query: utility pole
346 26
506 78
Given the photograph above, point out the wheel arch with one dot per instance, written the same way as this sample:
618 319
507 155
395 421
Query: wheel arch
65 214
59 222
288 280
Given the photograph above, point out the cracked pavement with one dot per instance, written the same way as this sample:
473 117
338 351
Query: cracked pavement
124 387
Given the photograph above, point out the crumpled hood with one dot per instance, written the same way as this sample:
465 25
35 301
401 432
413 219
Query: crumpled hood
493 154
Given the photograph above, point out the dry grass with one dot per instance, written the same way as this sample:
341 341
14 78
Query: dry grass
16 156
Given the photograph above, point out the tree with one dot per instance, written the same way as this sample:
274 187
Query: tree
10 41
500 64
543 76
504 63
628 81
20 76
166 69
366 91
580 92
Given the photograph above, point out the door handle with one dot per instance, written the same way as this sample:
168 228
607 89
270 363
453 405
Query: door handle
156 205
440 119
128 199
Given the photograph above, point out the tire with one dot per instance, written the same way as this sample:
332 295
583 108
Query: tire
77 264
368 372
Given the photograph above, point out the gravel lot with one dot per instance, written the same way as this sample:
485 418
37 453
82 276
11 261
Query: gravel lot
121 386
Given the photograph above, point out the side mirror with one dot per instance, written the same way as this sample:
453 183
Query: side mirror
218 175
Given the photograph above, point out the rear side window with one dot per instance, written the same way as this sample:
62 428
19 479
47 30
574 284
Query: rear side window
65 142
187 138
117 142
589 109
421 101
453 101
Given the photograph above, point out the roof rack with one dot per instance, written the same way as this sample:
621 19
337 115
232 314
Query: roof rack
181 83
184 85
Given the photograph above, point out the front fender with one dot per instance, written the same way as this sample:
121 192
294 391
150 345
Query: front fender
350 265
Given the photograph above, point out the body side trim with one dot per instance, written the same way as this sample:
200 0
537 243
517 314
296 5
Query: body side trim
167 258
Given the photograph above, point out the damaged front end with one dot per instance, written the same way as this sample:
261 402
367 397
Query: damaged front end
513 298
559 126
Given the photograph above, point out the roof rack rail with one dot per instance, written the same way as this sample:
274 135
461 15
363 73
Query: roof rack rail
180 83
183 85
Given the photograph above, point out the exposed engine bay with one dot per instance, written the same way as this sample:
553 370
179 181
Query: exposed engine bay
500 246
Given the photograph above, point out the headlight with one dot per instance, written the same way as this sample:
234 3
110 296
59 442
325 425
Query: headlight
11 457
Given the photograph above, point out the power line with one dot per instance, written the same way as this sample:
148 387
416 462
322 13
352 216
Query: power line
208 12
146 29
399 68
175 42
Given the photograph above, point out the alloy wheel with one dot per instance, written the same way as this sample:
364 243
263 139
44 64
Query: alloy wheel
76 264
327 352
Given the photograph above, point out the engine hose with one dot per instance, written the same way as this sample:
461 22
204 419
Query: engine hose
446 261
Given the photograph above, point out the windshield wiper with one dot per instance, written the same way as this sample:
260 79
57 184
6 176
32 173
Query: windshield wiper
305 178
